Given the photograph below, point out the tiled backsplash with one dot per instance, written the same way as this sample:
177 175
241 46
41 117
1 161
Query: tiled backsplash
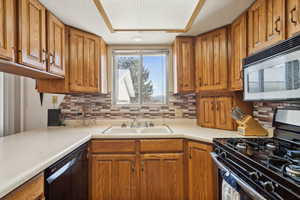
99 106
264 111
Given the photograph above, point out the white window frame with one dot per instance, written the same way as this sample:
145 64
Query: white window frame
139 52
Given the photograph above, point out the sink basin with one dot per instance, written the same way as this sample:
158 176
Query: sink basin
162 129
143 130
117 130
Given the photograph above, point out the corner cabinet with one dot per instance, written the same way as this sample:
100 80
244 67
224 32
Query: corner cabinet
7 34
184 64
201 172
84 61
212 61
238 51
82 65
56 45
266 24
215 109
32 34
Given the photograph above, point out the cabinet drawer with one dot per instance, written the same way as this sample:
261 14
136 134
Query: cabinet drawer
113 146
161 145
33 189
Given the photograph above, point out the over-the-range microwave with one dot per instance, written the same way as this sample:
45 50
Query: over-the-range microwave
273 74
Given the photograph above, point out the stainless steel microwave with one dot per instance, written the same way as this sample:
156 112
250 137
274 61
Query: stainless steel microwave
273 74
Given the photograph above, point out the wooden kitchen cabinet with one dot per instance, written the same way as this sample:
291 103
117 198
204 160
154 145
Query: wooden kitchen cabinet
31 190
266 24
82 65
223 107
206 112
56 45
32 34
113 177
238 51
211 62
162 176
201 172
293 17
84 61
8 30
215 109
184 64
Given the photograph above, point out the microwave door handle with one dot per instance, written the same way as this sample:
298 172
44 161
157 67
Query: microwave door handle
62 170
246 188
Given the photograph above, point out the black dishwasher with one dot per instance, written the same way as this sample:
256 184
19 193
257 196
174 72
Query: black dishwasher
67 179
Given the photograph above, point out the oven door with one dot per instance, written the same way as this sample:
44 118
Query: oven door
246 192
276 78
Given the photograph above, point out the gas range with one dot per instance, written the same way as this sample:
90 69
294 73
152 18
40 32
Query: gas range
266 168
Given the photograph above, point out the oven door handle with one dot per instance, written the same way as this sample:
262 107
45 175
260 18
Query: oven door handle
246 188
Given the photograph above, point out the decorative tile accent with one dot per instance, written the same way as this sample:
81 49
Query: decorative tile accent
264 111
99 106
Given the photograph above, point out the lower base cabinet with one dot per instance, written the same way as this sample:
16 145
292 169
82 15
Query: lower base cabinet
201 172
178 170
113 177
162 176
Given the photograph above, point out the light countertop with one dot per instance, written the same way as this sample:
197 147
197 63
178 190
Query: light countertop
24 155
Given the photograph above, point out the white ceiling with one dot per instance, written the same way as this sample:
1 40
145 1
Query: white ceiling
83 14
149 14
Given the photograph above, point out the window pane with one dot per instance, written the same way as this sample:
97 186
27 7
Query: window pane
127 79
153 81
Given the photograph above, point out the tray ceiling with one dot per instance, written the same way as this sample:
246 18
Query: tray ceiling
149 15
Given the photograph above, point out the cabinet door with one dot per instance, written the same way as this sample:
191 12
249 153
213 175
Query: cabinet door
201 174
207 111
7 33
257 19
32 34
162 176
205 65
275 21
223 113
239 51
198 60
56 45
84 62
113 177
185 64
220 75
293 17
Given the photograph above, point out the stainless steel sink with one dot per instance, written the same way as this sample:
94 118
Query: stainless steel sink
143 130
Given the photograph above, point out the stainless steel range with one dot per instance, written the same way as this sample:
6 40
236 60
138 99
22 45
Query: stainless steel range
264 168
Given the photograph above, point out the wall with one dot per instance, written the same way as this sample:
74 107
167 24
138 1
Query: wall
35 115
264 111
99 106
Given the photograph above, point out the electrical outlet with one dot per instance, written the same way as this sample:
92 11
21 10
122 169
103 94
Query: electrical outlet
54 100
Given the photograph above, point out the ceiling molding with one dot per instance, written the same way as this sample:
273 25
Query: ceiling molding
186 28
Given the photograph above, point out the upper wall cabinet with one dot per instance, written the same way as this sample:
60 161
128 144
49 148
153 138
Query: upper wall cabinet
238 51
56 45
84 61
32 34
293 17
211 61
266 24
7 33
184 66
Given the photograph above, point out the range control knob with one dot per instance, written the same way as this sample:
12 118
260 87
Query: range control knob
254 176
223 154
268 185
218 150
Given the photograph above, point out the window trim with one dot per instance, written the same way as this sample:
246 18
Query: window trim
139 52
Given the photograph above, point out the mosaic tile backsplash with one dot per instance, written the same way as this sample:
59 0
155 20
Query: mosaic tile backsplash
99 106
264 111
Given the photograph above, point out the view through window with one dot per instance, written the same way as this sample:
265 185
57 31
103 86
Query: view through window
140 77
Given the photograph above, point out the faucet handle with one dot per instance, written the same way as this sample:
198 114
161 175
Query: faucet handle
151 124
124 125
